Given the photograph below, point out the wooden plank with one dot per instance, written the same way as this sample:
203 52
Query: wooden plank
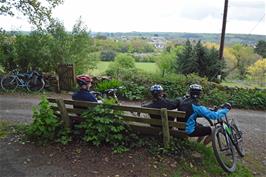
179 125
141 120
156 131
154 111
127 118
146 130
165 126
64 114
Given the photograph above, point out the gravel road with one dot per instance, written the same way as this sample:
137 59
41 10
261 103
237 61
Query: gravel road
253 123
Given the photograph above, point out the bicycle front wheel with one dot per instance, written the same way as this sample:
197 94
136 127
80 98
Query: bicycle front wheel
223 150
9 83
35 84
238 140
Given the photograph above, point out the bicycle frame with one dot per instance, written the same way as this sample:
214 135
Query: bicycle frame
228 131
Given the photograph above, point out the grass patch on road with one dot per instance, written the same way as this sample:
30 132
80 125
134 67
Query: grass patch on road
8 128
4 129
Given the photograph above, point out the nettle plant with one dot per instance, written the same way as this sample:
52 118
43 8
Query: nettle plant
103 125
46 127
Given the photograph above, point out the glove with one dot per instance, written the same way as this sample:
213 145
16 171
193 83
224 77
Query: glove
227 106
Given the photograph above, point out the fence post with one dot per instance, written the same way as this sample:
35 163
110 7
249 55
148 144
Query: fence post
63 112
165 126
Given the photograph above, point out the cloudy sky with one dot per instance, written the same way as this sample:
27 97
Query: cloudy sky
205 16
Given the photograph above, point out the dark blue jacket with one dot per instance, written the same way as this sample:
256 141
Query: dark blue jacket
161 103
194 110
84 95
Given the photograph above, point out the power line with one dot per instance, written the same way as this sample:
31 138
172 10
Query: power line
257 24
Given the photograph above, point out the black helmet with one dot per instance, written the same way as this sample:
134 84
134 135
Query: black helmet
156 89
195 90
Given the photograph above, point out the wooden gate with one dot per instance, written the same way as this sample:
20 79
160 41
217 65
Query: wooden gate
66 74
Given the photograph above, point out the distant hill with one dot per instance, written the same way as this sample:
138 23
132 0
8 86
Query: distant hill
249 39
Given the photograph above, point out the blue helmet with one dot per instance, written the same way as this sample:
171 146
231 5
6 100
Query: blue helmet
155 89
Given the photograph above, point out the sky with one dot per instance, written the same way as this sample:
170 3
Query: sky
196 16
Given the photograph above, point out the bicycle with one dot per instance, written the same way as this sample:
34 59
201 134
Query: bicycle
32 81
225 137
108 94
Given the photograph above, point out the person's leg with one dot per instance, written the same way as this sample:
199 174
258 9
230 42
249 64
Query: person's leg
201 132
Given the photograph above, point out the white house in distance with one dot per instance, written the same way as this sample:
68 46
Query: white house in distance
158 42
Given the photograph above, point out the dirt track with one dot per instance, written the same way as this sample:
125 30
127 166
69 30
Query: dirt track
253 123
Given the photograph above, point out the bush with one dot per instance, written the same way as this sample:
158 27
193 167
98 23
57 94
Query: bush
108 84
107 55
137 87
102 125
46 127
122 66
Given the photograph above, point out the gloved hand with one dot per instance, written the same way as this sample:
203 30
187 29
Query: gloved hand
227 106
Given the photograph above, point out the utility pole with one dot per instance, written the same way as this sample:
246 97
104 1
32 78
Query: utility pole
223 30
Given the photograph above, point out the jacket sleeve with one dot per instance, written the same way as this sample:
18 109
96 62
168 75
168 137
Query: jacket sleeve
202 111
91 98
169 104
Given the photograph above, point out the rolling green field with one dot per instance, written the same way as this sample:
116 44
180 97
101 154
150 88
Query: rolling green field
103 65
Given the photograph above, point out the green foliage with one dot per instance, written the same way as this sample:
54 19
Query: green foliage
142 57
244 57
261 48
103 125
38 12
166 62
201 60
46 127
137 87
123 66
134 91
107 55
108 84
44 50
138 45
257 72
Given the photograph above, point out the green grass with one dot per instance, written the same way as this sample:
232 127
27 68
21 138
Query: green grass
208 165
243 84
103 65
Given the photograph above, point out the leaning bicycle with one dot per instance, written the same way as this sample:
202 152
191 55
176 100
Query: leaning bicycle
108 94
227 137
32 81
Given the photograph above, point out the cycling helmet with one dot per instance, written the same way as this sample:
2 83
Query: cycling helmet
195 90
83 80
156 89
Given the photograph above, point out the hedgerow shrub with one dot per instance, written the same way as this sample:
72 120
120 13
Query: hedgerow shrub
138 84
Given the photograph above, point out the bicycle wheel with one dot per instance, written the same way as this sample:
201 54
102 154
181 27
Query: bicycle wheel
238 140
35 84
9 83
223 150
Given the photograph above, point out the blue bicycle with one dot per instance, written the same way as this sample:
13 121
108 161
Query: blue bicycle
32 81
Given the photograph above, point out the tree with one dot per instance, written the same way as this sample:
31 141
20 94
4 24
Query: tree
107 55
37 11
185 62
201 60
166 63
122 67
244 57
261 48
257 71
45 50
